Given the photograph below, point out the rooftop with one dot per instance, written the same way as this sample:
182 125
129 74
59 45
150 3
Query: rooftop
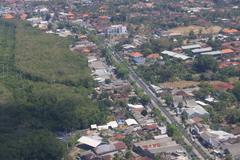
136 54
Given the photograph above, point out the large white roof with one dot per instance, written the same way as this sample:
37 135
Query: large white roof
135 106
103 127
175 55
112 124
131 122
89 141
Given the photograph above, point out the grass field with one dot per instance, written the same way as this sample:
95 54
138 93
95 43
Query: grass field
47 56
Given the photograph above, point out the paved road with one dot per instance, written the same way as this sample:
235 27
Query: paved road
197 150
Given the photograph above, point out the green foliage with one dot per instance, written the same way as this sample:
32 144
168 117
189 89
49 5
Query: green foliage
145 99
236 90
170 71
144 112
158 115
121 71
173 131
47 57
38 145
168 99
204 63
45 91
128 140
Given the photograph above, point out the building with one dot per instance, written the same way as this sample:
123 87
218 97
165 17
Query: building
200 50
196 111
90 141
176 55
117 30
110 148
213 139
151 148
137 58
193 46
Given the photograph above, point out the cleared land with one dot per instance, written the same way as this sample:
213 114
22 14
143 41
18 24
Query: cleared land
179 84
196 29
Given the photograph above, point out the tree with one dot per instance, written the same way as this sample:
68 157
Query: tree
38 145
192 35
168 99
236 91
121 71
133 100
128 154
204 63
144 99
144 112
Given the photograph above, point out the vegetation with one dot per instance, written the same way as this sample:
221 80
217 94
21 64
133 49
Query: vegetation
204 63
44 89
169 71
51 60
173 131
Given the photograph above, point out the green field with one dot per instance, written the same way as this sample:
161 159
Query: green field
47 57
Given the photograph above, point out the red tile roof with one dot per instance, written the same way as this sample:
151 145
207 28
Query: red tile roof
227 51
228 64
150 127
153 56
119 136
223 86
136 54
120 146
230 31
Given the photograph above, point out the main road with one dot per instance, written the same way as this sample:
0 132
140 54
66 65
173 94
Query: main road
197 150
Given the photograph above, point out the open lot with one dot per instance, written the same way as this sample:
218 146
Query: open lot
196 29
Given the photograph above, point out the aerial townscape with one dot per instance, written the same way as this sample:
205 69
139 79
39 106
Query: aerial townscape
119 80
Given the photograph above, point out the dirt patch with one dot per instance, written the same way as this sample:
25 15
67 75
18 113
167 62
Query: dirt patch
179 84
196 29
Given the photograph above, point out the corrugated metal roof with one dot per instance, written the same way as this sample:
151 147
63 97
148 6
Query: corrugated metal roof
191 46
202 50
212 53
89 141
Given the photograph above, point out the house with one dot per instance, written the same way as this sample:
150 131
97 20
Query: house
131 122
153 56
135 106
117 30
230 31
8 16
223 86
137 57
227 51
117 90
